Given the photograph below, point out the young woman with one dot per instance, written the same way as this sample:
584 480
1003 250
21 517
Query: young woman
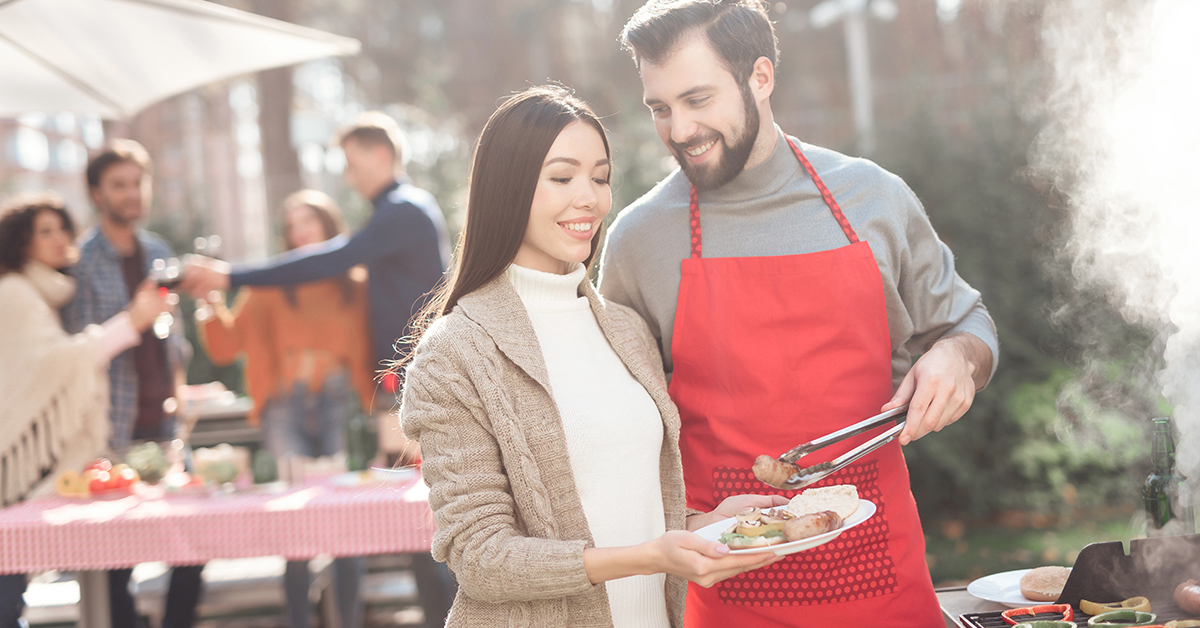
549 440
53 385
305 347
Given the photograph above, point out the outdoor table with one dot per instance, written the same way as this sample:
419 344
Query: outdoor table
191 527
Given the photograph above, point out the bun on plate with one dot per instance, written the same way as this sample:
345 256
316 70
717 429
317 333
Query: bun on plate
1044 584
842 499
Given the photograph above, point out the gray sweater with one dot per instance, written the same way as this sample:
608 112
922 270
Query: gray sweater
774 208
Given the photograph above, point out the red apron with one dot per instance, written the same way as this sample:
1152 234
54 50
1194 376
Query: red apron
771 352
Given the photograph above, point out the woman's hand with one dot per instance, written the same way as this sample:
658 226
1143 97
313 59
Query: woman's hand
146 305
706 563
732 506
679 553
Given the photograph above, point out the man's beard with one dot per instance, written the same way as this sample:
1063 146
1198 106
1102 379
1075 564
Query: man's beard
709 176
118 215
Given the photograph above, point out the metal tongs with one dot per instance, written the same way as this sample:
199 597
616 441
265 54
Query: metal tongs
807 475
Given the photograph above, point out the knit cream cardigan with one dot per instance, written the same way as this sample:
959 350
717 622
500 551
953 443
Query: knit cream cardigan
509 520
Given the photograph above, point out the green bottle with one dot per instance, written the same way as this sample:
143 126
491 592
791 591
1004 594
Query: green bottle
1162 485
358 453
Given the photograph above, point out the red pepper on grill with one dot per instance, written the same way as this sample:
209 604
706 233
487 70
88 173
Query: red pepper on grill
1068 614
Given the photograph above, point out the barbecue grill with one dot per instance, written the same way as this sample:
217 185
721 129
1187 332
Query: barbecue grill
1103 573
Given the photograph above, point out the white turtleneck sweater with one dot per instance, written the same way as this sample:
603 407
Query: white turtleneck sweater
613 429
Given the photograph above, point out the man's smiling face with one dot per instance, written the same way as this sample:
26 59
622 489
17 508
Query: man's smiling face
706 117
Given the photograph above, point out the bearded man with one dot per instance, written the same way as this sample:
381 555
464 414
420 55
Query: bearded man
789 287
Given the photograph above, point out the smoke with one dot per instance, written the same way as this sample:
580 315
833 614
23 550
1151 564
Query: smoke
1122 146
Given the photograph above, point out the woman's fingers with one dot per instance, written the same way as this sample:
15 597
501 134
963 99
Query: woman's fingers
730 566
707 562
732 505
693 542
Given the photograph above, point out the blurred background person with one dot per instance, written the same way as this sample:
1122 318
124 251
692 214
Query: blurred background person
406 249
404 245
53 385
115 257
305 347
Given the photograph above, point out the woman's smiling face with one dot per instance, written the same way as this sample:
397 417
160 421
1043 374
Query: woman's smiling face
571 200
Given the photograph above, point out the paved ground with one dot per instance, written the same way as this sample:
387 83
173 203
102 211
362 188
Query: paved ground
245 593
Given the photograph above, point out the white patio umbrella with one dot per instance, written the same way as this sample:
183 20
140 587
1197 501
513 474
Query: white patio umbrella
114 57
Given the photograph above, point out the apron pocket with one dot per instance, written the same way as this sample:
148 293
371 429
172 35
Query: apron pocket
856 565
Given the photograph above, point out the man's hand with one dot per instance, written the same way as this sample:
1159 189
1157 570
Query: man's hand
732 505
941 385
202 275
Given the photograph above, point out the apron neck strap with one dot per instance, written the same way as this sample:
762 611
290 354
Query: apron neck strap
694 204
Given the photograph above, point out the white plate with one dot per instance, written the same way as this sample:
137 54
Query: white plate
1003 588
403 474
374 475
865 510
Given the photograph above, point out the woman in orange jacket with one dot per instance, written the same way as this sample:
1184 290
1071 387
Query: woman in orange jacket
305 348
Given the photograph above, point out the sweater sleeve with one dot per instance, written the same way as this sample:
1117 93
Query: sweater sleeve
391 228
117 334
937 299
477 526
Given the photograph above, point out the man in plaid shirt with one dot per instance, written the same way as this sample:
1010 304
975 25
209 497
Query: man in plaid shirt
115 257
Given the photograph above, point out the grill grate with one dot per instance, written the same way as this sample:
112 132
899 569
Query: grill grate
994 620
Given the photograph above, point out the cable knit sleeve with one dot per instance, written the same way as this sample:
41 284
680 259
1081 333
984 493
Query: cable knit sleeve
479 532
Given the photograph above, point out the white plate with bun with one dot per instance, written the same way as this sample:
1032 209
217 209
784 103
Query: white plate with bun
1005 588
865 510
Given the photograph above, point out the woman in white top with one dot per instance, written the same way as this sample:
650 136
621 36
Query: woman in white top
548 438
53 385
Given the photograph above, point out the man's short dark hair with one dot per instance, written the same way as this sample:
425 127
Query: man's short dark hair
116 152
375 128
738 30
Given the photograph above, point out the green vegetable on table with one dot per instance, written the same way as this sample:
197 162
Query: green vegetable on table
149 460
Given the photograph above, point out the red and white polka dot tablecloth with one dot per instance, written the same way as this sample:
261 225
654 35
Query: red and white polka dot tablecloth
299 522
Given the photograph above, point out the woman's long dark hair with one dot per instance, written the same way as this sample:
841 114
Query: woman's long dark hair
504 175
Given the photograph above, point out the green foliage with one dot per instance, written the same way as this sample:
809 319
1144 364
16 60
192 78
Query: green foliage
1072 445
959 553
1061 424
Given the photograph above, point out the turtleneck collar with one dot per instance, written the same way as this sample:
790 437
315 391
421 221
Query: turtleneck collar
535 286
55 287
762 180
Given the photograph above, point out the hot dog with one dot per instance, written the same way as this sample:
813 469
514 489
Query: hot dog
811 525
755 528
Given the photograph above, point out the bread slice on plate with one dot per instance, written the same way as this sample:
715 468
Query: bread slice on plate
842 499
